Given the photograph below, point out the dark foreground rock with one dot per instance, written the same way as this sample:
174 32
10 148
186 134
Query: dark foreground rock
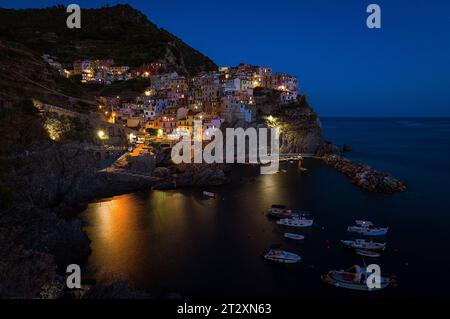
38 238
37 245
364 176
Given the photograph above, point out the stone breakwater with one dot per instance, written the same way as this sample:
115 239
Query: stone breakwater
365 176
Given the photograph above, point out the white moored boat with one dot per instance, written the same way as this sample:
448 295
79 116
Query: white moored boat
294 236
282 256
295 222
363 244
368 231
354 278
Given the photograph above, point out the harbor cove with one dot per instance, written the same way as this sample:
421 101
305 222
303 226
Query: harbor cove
182 243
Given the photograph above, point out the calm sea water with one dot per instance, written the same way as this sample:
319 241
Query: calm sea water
178 242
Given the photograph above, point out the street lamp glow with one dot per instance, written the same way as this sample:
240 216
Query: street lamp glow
101 134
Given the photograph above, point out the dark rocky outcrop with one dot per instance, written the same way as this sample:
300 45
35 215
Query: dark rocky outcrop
162 172
300 127
37 245
364 176
301 130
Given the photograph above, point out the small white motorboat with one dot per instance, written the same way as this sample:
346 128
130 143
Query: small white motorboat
209 194
295 222
367 253
303 169
353 278
294 236
368 231
282 256
364 223
364 244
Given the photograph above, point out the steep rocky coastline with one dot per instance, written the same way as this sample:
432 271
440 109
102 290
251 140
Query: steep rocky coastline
43 183
301 132
299 126
40 235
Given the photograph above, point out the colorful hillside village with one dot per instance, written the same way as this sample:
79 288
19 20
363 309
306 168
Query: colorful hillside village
172 102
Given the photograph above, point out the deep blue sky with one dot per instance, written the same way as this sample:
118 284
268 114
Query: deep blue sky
345 68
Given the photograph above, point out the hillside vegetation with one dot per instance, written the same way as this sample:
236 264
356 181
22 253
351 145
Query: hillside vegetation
119 32
24 74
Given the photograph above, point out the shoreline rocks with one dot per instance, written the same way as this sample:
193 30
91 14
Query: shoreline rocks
365 176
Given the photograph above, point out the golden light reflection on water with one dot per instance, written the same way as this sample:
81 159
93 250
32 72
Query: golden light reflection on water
117 236
154 239
131 234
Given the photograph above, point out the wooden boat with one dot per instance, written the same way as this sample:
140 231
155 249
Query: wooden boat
294 236
354 278
282 256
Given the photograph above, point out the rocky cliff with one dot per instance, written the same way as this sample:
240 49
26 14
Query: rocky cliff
300 127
